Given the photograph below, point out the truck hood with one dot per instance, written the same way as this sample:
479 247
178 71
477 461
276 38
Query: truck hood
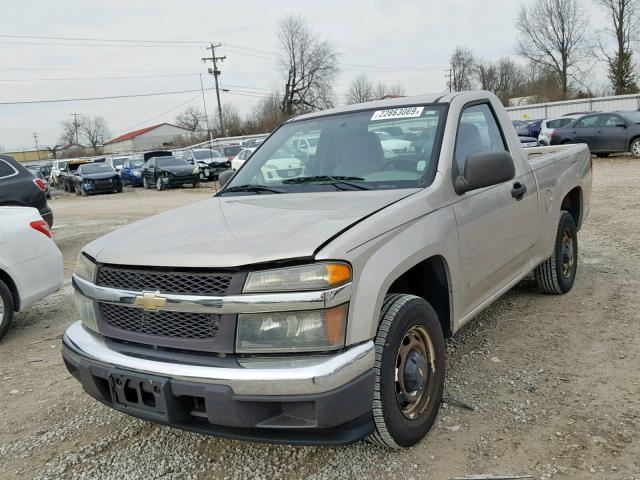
234 231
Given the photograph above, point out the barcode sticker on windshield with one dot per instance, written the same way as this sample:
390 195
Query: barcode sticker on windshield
404 112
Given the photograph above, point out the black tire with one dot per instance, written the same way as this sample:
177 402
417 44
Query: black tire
634 147
196 184
557 274
72 188
65 187
159 184
145 184
119 189
6 309
401 317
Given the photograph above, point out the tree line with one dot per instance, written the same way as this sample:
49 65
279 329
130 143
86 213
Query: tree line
560 48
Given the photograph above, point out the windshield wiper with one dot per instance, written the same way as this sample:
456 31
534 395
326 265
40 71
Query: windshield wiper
332 180
250 187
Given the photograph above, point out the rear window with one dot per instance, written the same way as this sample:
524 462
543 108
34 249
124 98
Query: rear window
170 162
96 168
232 151
6 169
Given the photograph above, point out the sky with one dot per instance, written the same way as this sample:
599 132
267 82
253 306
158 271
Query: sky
400 41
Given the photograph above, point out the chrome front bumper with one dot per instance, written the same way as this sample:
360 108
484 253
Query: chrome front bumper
299 375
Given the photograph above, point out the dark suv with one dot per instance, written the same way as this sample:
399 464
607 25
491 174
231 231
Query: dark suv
18 187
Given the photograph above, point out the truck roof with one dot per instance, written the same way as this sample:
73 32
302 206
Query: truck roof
386 103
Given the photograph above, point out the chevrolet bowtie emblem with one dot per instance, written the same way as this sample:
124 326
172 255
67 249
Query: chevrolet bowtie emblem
150 301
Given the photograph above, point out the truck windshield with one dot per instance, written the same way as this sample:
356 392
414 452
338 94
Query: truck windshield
372 149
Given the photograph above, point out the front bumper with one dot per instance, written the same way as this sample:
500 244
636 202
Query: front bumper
310 399
174 181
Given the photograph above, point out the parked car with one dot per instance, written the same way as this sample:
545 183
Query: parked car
533 128
30 263
131 172
549 125
165 172
67 177
393 146
605 133
93 178
229 151
210 162
117 162
242 157
57 170
38 173
521 128
252 143
306 145
314 309
18 187
284 164
528 142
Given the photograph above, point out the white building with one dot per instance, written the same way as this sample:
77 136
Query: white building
158 136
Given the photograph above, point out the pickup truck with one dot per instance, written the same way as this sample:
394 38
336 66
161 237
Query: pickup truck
313 309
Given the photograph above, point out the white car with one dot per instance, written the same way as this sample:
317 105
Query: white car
548 126
30 262
392 147
56 170
242 156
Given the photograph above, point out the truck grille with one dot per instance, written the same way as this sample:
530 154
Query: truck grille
163 323
179 282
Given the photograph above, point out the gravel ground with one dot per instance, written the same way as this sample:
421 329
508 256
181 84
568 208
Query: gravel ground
553 381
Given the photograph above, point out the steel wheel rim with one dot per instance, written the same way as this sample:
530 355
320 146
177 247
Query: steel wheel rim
636 148
414 372
568 261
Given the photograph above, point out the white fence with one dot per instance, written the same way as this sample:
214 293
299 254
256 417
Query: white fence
557 109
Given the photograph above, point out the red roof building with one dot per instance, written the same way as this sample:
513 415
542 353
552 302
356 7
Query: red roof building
162 135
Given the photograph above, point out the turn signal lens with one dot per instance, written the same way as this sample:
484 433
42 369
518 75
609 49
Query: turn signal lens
317 276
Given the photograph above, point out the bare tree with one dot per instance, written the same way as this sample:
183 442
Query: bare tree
360 90
310 66
233 124
266 115
462 66
52 150
553 36
624 16
95 131
486 73
381 91
69 129
191 119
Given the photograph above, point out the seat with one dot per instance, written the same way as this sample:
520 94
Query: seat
468 143
362 154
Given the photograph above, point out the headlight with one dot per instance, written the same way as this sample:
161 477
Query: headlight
304 331
87 314
195 169
85 267
137 174
317 276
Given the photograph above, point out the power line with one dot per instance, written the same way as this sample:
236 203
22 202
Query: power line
111 97
67 79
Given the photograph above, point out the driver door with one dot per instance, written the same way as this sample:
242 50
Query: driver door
495 229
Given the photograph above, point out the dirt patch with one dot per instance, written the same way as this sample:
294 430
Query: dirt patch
553 380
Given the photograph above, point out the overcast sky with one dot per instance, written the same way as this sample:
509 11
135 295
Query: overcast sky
407 42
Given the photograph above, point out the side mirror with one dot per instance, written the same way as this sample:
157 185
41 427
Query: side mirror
483 170
224 177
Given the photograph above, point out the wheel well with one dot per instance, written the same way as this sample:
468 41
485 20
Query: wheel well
632 140
429 280
12 288
572 203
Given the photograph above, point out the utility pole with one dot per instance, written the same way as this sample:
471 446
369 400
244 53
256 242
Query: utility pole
206 115
449 76
35 137
215 72
75 125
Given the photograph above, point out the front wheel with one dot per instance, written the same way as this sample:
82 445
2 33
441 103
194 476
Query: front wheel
409 371
159 185
635 148
144 183
557 273
196 184
6 309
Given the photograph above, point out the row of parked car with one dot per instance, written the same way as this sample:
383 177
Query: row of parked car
604 132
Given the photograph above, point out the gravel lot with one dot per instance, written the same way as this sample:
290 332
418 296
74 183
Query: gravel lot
554 380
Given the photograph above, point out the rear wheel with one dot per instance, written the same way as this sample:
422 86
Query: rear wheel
6 309
159 185
557 274
196 184
635 147
409 370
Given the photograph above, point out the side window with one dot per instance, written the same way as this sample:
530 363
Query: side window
478 132
610 120
6 169
585 122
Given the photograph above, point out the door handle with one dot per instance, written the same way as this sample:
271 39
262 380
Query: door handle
518 191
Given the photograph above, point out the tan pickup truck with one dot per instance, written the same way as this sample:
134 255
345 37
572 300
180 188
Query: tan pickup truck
311 306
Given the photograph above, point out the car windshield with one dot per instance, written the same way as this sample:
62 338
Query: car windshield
136 163
371 149
170 162
232 151
118 162
206 154
62 165
633 117
96 168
